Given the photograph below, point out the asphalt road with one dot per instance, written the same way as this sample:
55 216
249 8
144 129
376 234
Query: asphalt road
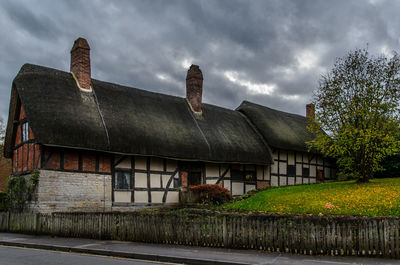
169 253
23 256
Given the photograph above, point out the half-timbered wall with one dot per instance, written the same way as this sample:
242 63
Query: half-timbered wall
238 179
142 180
71 160
289 168
26 153
292 168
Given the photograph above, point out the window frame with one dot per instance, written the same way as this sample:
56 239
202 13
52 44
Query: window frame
241 175
292 168
305 175
24 132
128 175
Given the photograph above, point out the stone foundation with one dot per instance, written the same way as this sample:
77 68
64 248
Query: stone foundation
59 191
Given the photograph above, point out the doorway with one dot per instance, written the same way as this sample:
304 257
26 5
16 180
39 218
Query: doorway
194 172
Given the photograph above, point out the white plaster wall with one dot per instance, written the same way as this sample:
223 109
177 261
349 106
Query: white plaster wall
211 181
140 180
156 164
267 173
274 181
290 180
299 180
312 171
299 157
212 170
156 196
67 191
250 187
172 197
141 197
237 188
282 155
155 181
274 168
140 162
227 184
126 163
282 168
228 174
283 181
171 165
165 179
122 196
299 170
313 180
290 158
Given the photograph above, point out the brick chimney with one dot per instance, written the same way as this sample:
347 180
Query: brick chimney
194 87
80 63
310 110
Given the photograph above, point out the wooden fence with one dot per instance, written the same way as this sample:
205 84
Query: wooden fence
294 234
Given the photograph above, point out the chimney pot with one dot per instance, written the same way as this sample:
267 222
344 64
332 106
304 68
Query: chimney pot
80 63
310 111
194 87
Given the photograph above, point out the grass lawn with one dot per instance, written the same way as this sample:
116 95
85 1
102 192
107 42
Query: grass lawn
380 197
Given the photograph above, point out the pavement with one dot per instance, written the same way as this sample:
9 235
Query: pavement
175 253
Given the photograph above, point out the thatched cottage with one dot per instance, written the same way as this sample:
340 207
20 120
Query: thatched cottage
103 146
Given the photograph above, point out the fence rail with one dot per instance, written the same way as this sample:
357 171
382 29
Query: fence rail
294 234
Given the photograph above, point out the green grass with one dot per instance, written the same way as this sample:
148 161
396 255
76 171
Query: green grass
379 197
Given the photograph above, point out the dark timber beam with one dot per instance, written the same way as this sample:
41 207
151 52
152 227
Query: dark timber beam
223 175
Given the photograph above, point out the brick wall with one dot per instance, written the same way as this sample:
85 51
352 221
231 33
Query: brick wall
5 170
76 160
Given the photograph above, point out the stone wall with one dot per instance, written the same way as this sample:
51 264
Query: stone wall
70 191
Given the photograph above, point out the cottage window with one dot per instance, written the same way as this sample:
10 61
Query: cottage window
306 172
194 173
25 132
291 171
243 175
122 180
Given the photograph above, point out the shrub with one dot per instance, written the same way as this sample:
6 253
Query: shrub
390 167
21 190
211 193
3 201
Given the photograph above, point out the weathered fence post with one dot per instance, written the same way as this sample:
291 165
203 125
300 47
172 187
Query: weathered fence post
225 232
306 234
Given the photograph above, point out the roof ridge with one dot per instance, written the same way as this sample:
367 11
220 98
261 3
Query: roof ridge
102 118
280 111
257 131
198 127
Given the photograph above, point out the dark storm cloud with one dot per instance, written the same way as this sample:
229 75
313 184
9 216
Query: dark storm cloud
25 20
268 52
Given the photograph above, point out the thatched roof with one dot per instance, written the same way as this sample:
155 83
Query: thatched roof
280 129
128 120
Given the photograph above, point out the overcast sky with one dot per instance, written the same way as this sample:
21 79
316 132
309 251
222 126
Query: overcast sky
269 52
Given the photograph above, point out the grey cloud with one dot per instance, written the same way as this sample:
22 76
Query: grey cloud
134 41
